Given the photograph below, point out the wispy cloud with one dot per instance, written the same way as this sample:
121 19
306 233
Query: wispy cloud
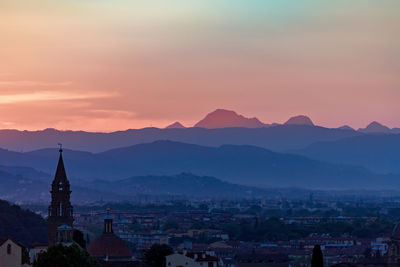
32 83
49 96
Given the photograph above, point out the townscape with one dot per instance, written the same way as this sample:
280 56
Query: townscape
188 133
226 233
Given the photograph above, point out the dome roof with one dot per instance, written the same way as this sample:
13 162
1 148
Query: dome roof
111 245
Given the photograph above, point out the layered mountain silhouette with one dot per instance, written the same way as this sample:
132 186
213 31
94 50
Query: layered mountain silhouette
278 138
222 118
377 152
247 165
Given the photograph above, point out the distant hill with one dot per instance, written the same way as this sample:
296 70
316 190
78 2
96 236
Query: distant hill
300 120
21 225
25 186
346 127
246 165
222 118
278 138
379 153
175 125
28 172
184 184
375 127
19 188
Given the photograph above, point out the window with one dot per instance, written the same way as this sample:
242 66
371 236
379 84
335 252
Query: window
210 264
9 249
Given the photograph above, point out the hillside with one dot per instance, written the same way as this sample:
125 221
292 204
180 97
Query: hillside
21 225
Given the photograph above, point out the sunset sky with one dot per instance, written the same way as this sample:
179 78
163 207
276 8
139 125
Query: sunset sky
104 65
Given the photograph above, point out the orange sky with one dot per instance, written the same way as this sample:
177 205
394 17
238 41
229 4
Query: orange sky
110 65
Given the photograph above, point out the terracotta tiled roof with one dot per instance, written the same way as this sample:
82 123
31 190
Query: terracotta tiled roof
111 245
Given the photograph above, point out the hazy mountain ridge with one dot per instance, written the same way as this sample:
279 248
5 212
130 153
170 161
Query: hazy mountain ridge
278 138
23 188
27 190
216 128
379 152
246 165
184 184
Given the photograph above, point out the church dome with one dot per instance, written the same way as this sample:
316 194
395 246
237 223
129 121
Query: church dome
109 245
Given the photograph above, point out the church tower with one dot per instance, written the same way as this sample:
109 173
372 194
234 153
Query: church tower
60 209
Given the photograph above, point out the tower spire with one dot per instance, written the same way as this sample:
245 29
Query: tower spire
60 209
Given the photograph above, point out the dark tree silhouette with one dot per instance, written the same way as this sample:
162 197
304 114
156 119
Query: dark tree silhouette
61 256
25 256
155 256
317 259
78 237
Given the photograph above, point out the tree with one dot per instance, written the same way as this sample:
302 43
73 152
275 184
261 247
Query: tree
78 237
63 256
317 259
25 256
155 256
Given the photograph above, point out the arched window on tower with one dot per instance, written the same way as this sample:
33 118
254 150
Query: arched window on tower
9 249
60 209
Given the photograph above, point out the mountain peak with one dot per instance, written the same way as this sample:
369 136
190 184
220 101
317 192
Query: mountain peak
175 125
300 120
346 127
222 118
375 127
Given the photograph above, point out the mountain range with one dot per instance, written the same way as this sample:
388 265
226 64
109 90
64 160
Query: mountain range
239 164
278 138
297 133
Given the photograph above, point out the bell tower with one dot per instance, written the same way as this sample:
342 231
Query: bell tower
60 209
